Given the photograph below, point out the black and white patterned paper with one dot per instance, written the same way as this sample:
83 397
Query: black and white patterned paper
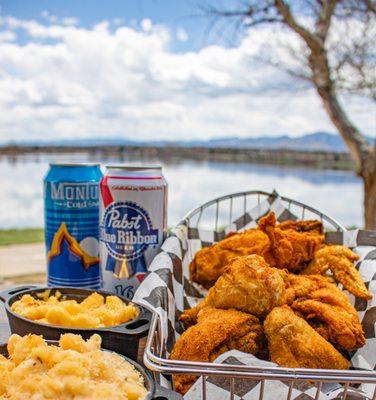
168 291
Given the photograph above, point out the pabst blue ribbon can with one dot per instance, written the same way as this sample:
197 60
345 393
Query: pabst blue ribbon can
133 223
71 211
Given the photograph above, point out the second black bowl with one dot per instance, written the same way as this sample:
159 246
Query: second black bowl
155 391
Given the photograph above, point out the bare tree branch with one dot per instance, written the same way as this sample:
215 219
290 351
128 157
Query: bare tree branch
253 14
312 40
323 22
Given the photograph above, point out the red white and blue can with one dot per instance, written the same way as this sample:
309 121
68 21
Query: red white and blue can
133 224
71 211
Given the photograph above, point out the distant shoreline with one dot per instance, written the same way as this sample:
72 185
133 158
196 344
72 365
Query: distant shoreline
315 159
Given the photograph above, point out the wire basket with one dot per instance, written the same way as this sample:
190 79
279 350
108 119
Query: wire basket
222 211
215 215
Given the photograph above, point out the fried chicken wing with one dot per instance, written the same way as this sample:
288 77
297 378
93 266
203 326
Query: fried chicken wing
248 284
293 343
289 248
210 262
315 287
340 260
344 328
216 332
326 308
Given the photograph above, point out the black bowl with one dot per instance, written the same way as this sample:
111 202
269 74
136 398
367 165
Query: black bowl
123 339
155 391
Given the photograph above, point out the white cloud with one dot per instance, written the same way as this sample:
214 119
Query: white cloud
181 35
7 36
118 21
67 21
48 17
70 81
146 25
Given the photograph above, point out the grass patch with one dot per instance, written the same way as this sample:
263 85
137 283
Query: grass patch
21 236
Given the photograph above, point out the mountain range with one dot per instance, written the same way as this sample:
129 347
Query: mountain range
317 141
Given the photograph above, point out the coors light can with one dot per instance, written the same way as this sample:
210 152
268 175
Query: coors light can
133 222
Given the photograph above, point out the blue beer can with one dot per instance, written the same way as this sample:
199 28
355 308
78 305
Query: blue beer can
71 214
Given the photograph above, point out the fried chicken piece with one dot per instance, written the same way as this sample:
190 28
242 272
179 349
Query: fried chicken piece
312 225
289 248
293 343
340 260
326 308
210 262
322 329
344 328
316 287
216 332
248 284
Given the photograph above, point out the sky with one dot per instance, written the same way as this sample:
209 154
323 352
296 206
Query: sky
147 70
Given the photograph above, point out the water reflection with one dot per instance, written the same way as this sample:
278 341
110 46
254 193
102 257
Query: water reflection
337 193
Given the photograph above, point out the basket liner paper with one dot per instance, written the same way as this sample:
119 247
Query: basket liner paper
167 290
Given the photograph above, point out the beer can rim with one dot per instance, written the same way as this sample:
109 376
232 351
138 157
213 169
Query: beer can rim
73 164
133 167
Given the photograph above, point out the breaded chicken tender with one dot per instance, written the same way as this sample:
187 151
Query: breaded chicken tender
340 261
216 332
289 248
344 328
326 307
316 287
293 343
210 262
248 284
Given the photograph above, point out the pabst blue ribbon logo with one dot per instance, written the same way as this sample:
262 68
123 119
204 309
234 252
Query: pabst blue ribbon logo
127 230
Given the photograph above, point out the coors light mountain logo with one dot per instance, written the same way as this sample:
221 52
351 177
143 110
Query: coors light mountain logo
127 230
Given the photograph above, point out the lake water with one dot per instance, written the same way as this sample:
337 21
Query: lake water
336 193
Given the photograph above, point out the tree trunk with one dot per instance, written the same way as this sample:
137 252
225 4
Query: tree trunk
364 157
353 138
369 176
